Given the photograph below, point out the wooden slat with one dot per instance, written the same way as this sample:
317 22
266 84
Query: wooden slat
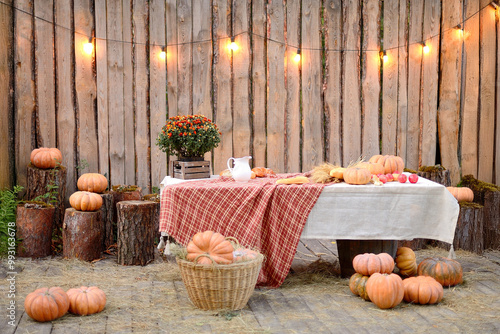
496 172
293 122
222 83
449 97
390 79
6 74
24 88
115 92
184 57
333 80
414 84
172 60
141 90
44 72
487 63
259 82
241 71
128 96
157 83
402 80
312 110
430 80
276 87
102 86
351 108
64 90
371 72
470 79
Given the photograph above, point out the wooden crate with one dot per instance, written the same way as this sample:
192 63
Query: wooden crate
189 169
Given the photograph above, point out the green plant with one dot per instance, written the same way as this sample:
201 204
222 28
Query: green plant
8 205
156 190
188 136
83 164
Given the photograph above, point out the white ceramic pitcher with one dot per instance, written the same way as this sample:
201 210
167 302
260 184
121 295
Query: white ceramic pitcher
241 171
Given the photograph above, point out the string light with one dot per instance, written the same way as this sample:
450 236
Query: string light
233 46
460 30
88 47
163 53
494 5
297 56
425 47
385 57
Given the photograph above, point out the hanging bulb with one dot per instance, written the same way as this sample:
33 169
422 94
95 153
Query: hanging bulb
296 58
460 31
425 47
385 57
88 47
163 53
494 5
233 46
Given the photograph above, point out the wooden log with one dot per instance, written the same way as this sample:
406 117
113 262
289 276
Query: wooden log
414 244
436 173
155 198
34 228
108 221
39 181
469 232
348 249
82 234
136 220
123 193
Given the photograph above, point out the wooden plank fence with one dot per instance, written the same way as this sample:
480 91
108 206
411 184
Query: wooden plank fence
339 102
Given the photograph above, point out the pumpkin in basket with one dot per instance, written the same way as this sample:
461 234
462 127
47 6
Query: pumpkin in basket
422 290
46 304
446 271
45 157
207 246
86 300
369 263
357 284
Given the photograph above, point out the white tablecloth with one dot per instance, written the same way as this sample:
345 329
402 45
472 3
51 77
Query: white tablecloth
394 211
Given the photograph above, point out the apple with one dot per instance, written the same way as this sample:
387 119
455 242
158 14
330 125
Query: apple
413 178
395 176
389 177
382 178
402 178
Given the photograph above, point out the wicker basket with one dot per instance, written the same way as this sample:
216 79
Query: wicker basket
220 287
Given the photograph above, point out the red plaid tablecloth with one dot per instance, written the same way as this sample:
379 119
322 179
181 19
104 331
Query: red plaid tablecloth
259 214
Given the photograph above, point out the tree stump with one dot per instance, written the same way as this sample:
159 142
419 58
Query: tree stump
156 199
123 193
469 231
136 220
436 173
107 218
38 181
34 228
82 234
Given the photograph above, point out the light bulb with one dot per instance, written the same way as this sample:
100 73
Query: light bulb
88 47
163 53
233 46
425 48
385 57
296 58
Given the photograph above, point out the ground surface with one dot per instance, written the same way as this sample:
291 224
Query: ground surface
313 299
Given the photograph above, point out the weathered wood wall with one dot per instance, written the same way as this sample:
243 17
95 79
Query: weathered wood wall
341 101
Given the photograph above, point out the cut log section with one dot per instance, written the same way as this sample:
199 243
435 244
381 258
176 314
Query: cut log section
82 234
107 217
436 173
136 223
34 228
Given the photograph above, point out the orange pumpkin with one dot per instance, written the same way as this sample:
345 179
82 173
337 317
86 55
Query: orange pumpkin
86 300
369 263
337 173
406 261
357 175
44 157
85 201
212 244
46 304
392 163
244 254
374 167
446 271
93 182
357 284
462 194
385 291
422 290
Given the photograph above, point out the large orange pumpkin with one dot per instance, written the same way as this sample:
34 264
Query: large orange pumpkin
85 201
446 271
86 300
355 175
422 290
46 304
93 182
357 284
392 163
374 167
406 261
45 157
462 193
212 244
385 291
369 263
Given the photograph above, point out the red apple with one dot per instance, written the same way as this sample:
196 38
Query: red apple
395 176
413 178
402 178
389 177
382 178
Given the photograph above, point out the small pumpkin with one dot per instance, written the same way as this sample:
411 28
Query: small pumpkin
45 157
385 290
462 194
86 300
338 173
406 261
369 263
355 175
392 163
85 201
93 182
422 290
446 271
46 304
357 284
244 254
212 244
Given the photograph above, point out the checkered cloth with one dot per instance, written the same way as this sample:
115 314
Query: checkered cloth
260 214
